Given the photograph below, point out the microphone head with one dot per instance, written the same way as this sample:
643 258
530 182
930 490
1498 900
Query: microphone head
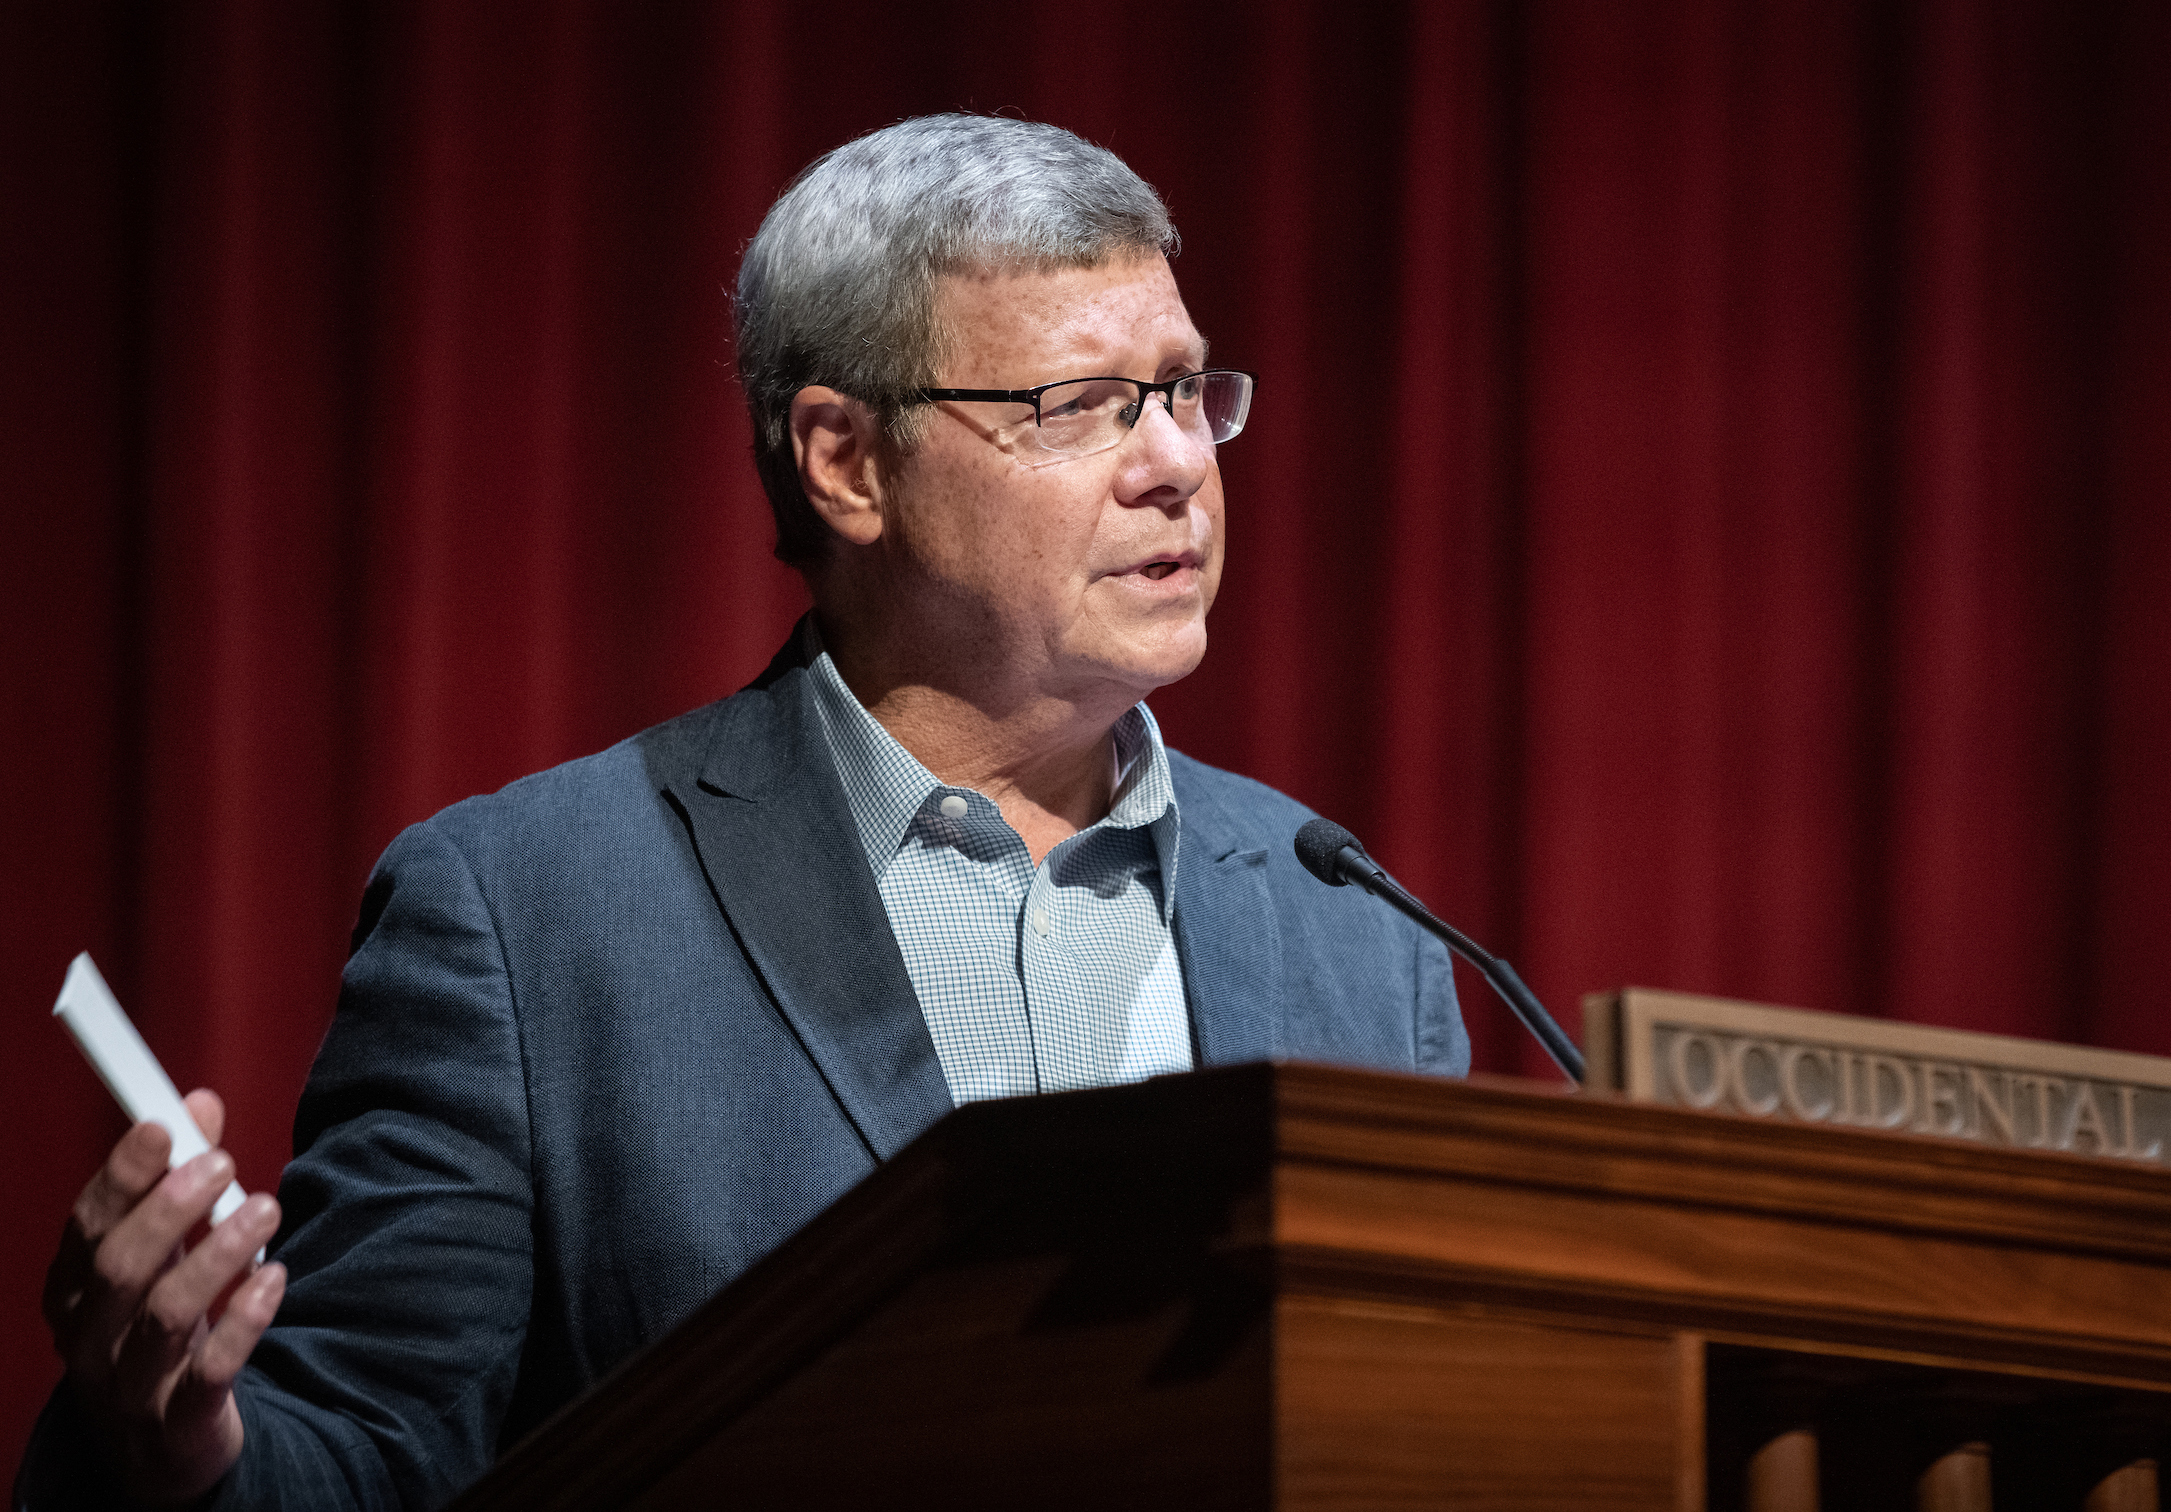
1318 843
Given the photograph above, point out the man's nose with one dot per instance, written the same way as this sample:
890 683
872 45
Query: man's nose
1165 456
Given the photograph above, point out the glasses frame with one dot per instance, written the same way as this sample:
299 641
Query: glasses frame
1137 411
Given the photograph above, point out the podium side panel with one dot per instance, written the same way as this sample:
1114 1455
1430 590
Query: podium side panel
1029 1381
1409 1407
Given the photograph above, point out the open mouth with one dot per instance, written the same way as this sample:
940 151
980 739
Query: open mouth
1159 569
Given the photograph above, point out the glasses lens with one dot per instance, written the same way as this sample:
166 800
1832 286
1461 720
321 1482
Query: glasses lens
1094 414
1224 402
1212 405
1087 416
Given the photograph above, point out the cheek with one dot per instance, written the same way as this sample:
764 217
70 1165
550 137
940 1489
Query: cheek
1019 534
1046 539
1208 502
954 515
1068 522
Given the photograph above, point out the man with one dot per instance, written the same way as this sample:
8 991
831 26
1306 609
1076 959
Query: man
610 1035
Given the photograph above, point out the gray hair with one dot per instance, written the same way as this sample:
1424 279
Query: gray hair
838 286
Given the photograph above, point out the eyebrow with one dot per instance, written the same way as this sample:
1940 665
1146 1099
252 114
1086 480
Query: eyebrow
1205 351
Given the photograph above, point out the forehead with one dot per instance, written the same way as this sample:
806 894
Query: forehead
1014 329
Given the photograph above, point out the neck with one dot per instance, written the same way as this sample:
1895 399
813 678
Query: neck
1044 759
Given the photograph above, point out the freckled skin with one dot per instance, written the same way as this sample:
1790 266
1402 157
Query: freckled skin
1036 559
998 610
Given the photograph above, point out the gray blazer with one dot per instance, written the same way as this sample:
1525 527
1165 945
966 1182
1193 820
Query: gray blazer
612 1034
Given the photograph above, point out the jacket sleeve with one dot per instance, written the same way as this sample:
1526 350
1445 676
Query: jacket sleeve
407 1213
406 1229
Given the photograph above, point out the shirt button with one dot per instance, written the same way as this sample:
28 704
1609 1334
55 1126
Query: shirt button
954 807
1040 921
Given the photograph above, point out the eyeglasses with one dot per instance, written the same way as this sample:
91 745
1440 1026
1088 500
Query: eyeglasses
1081 416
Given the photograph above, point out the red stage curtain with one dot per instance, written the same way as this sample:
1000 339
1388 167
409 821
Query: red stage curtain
1703 522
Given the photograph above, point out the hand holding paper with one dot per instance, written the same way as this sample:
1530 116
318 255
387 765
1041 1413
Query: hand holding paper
129 1070
135 1309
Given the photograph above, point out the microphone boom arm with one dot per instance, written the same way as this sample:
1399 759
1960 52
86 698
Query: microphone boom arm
1349 864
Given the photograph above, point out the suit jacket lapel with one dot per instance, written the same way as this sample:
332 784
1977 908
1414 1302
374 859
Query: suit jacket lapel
776 840
1226 936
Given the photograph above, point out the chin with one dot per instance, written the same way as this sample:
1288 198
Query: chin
1168 659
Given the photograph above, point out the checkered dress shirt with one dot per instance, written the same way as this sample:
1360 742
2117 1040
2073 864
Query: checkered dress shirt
1032 979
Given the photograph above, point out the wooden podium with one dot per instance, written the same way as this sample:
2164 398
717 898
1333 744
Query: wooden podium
1297 1286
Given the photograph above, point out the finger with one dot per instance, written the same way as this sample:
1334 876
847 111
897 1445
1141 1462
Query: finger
136 1250
200 1417
175 1309
220 1358
209 1112
132 1168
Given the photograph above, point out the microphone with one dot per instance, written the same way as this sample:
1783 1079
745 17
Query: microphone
1335 857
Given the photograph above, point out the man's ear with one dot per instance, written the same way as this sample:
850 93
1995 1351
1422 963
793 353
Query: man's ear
836 441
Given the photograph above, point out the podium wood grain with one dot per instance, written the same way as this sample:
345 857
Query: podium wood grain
1304 1287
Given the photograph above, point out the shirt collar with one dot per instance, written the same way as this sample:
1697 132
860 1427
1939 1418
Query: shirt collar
1146 795
886 785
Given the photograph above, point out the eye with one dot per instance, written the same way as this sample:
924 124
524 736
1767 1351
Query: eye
1087 399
